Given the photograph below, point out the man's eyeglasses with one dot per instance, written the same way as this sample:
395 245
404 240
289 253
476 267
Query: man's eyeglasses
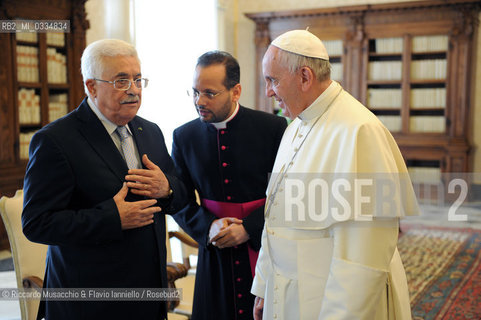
208 94
125 84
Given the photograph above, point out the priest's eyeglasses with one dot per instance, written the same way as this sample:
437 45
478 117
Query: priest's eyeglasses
125 84
194 93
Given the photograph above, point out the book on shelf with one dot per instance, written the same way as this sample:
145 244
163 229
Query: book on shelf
427 123
27 64
428 69
422 98
27 37
333 47
28 106
425 175
336 71
25 138
384 98
55 39
57 106
385 70
389 45
434 43
56 66
392 123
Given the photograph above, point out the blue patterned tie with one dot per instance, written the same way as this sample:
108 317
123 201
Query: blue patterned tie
128 149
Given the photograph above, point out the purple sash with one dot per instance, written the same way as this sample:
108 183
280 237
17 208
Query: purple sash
239 211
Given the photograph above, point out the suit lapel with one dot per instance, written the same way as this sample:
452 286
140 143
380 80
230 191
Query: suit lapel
96 135
137 132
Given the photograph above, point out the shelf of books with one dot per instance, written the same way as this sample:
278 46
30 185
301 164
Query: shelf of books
384 85
335 49
425 86
42 85
406 89
428 84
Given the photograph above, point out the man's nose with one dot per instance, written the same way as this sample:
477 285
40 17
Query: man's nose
133 89
269 91
200 100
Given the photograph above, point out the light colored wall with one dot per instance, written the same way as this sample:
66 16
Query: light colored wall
244 49
109 19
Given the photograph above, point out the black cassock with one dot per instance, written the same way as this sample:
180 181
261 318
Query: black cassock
226 166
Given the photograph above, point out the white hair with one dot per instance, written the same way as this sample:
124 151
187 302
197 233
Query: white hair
91 62
321 68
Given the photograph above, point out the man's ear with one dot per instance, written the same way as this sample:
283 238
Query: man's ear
307 78
236 92
92 87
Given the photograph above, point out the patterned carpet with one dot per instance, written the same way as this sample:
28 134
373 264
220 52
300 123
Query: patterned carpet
443 268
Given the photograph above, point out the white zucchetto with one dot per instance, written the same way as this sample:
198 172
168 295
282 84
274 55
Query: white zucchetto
301 42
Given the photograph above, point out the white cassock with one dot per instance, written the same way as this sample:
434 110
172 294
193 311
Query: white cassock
340 259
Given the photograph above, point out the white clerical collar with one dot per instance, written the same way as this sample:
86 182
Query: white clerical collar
109 125
223 124
320 105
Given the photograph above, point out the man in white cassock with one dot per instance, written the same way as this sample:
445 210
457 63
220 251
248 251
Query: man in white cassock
338 188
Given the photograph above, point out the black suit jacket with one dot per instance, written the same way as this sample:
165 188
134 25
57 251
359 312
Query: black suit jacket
74 171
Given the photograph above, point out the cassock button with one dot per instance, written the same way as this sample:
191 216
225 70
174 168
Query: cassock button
239 279
222 131
223 147
224 164
226 181
239 295
241 311
229 198
237 262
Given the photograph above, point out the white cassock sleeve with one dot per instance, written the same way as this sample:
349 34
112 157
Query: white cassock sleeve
358 274
263 268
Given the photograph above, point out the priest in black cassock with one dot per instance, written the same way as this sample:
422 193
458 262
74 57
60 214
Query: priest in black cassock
226 155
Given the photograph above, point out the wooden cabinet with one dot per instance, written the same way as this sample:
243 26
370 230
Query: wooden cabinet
39 76
409 62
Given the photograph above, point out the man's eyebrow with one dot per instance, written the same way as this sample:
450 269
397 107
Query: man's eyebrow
126 75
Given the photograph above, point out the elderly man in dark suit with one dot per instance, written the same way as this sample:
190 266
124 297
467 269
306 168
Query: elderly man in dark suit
98 184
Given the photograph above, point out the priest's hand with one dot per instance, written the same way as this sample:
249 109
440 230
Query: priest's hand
150 182
228 235
134 214
258 308
218 225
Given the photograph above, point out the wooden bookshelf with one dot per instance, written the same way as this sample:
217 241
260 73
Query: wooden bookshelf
50 92
391 54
